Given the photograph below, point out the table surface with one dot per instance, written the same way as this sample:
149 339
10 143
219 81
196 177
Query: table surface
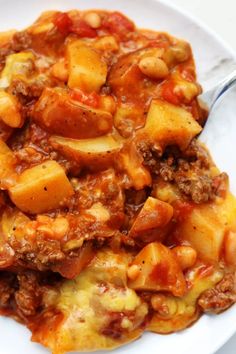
222 21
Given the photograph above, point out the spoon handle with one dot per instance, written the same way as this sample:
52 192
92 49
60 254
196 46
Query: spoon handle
211 96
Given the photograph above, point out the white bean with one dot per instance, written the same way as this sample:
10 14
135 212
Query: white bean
186 255
181 51
93 19
153 67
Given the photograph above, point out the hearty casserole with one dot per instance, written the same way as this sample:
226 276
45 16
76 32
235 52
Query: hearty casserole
114 219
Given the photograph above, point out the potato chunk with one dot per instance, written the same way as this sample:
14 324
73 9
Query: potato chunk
154 215
96 153
130 161
41 188
10 110
207 225
168 124
87 71
7 162
59 114
72 267
13 224
158 270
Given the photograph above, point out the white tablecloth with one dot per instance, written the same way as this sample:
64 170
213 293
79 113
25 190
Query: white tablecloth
220 16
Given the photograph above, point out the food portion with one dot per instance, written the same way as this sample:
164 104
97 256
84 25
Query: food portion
114 219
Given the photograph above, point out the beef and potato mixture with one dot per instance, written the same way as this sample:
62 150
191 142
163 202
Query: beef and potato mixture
114 219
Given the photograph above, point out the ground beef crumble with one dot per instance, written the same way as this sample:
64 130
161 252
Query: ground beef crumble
221 297
190 172
197 187
21 41
28 296
7 290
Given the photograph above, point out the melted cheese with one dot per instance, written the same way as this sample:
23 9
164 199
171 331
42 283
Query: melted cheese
185 310
88 302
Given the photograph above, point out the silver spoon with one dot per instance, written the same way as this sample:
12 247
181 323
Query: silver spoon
219 133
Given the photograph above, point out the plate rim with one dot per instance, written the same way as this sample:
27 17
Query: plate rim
195 19
223 339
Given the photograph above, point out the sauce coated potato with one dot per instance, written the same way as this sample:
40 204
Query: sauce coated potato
59 114
153 216
8 175
159 270
97 153
10 110
87 70
207 225
168 124
41 188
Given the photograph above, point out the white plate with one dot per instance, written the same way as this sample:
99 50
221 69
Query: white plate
214 60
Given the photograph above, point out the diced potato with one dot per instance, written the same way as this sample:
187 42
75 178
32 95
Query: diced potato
13 224
131 162
154 215
107 43
10 110
7 162
72 267
159 270
42 29
60 70
207 225
41 188
19 64
166 192
59 114
169 124
87 70
96 153
180 313
5 37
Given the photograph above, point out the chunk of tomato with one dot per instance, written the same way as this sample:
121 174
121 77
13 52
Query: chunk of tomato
168 93
63 22
117 23
82 29
91 99
66 25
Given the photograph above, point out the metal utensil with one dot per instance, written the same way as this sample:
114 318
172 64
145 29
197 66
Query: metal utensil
210 97
219 132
